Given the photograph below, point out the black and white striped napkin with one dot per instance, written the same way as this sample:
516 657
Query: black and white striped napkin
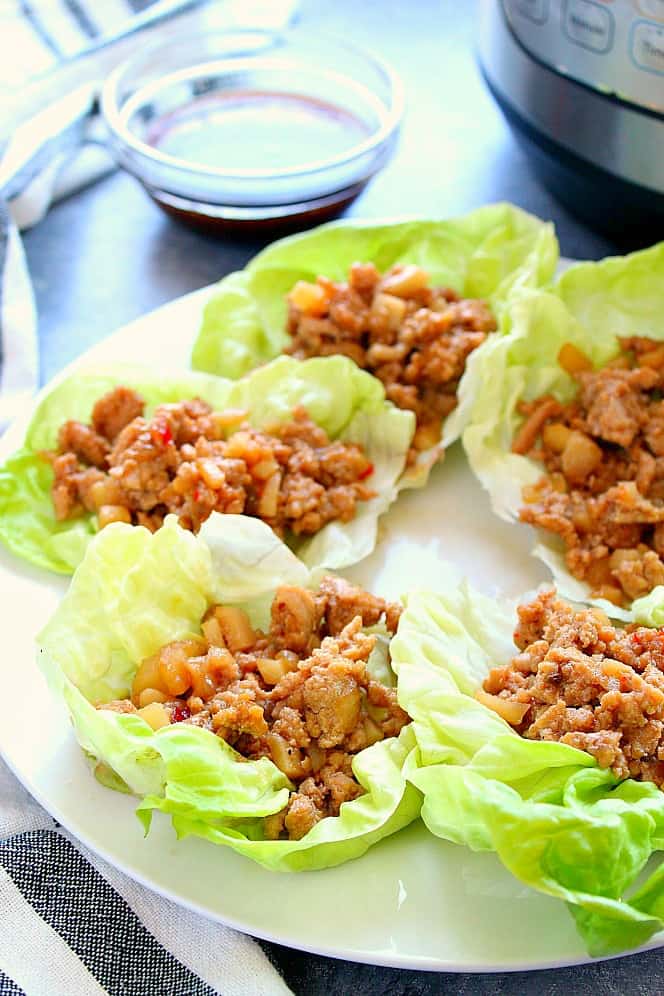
74 926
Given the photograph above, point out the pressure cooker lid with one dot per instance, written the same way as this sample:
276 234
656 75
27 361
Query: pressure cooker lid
615 46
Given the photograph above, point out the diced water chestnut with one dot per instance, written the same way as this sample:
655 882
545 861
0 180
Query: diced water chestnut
235 627
155 715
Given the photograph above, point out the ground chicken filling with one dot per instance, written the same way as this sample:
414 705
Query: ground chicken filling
192 461
413 337
299 694
580 681
603 492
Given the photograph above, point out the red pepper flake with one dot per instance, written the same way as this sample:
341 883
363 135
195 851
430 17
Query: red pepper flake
180 712
197 494
636 639
161 433
367 472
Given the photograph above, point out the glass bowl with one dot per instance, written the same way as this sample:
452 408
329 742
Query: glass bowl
253 128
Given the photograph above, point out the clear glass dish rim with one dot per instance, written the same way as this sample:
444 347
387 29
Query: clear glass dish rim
111 111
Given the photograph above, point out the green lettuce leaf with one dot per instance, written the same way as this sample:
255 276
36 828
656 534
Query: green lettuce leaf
345 401
196 783
134 591
591 305
493 253
249 561
557 821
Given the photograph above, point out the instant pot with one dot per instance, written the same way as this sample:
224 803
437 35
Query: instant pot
581 83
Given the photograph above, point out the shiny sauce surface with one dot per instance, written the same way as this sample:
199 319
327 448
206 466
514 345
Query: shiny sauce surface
254 129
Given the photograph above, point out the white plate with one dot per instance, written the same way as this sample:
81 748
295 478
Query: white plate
412 901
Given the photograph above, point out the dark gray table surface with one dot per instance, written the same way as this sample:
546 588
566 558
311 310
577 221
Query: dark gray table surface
107 255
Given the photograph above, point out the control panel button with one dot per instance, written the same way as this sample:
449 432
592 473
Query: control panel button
652 8
588 24
648 46
534 10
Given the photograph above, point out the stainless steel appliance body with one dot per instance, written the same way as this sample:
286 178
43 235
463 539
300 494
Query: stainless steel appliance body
582 84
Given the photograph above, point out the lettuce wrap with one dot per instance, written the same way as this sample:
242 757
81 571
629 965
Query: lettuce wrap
556 820
133 592
348 403
493 253
591 306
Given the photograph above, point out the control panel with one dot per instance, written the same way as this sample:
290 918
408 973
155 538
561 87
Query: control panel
615 46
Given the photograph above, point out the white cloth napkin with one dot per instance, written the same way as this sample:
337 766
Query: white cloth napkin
49 119
74 926
45 159
18 324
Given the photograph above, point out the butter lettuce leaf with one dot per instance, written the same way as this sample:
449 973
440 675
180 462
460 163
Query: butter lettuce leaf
591 305
133 592
556 820
345 401
494 252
